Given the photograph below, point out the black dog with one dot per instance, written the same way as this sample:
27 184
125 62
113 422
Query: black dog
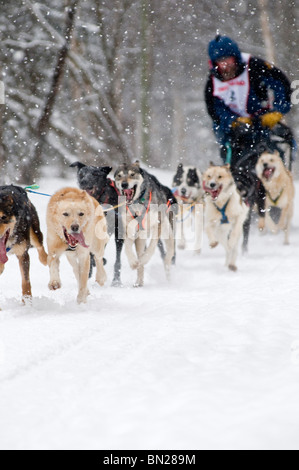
95 181
19 230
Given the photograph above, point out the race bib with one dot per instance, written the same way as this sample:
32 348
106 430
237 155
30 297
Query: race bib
234 93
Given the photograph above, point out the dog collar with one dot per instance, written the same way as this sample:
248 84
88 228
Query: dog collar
275 201
72 248
141 217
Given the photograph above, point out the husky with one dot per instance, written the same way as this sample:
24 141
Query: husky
76 226
188 190
280 193
19 230
148 204
95 181
225 212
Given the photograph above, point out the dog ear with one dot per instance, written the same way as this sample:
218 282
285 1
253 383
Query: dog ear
137 163
212 164
106 170
180 166
7 200
78 165
227 166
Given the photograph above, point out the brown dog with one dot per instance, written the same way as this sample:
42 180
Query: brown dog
19 230
77 227
280 193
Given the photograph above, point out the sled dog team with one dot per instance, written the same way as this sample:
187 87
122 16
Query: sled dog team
78 225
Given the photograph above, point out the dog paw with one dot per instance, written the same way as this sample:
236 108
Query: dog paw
55 285
116 283
81 299
233 268
214 244
137 285
102 280
262 224
135 265
27 300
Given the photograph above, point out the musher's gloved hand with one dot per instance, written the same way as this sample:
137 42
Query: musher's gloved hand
271 119
241 121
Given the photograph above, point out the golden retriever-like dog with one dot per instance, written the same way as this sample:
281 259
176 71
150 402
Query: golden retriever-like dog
76 226
280 193
225 212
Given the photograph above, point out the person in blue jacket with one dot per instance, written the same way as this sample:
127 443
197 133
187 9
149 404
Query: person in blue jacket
246 98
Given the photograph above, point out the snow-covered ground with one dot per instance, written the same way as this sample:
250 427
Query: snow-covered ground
209 361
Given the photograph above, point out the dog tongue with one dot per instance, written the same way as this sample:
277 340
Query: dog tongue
268 172
129 193
3 255
77 238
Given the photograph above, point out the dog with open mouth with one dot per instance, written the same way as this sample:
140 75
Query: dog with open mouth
76 226
96 182
19 230
188 190
280 193
149 215
225 212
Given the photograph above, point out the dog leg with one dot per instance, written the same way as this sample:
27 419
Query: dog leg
2 267
83 278
132 258
73 260
117 266
262 224
24 262
246 230
170 250
286 217
198 224
182 242
148 254
53 263
211 236
37 239
140 249
101 276
232 246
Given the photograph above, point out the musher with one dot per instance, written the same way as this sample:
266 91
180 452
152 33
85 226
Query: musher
247 98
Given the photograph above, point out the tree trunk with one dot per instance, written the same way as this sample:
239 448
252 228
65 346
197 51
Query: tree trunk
43 123
2 109
266 30
145 85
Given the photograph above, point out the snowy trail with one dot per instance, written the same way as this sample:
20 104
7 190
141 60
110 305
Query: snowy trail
210 360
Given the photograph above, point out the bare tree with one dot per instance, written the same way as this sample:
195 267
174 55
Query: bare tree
44 121
267 34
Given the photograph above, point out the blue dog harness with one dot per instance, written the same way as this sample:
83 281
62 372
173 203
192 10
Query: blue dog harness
222 211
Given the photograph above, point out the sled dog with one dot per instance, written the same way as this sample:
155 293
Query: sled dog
146 217
280 193
96 182
76 226
188 190
19 230
225 212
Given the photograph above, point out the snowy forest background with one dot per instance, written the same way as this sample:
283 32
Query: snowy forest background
104 81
